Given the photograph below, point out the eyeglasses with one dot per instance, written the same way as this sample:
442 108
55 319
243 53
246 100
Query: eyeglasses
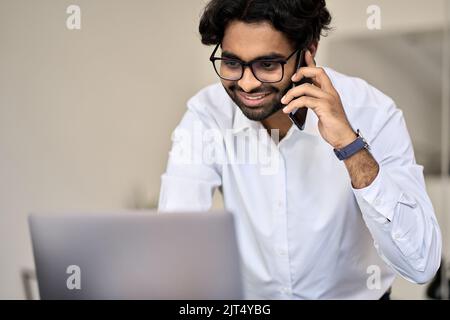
265 70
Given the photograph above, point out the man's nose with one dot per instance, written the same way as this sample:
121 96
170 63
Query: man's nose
248 82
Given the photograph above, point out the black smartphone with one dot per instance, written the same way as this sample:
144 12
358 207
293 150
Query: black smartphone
298 116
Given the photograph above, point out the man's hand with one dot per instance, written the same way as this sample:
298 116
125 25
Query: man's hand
324 100
334 127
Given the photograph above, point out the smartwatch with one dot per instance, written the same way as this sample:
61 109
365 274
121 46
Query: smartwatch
349 150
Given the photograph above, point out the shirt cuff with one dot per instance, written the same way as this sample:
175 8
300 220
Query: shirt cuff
379 199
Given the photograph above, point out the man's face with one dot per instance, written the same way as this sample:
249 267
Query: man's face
257 100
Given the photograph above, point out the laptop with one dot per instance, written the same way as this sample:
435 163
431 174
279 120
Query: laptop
136 255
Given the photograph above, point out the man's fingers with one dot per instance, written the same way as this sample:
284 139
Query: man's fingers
304 101
319 77
305 89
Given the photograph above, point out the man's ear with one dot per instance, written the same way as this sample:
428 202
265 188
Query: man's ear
313 46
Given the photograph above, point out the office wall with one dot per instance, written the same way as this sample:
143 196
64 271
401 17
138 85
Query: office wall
86 115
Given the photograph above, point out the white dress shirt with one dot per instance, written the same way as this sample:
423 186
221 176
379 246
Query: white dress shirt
303 231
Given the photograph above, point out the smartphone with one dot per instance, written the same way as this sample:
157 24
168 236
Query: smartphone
298 116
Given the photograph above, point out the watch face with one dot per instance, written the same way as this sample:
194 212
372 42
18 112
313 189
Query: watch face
366 145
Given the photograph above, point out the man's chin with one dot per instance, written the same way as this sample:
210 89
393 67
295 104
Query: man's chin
256 113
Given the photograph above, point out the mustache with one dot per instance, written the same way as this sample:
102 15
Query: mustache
235 87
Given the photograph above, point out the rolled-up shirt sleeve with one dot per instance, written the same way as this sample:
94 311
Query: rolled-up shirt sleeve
189 181
396 207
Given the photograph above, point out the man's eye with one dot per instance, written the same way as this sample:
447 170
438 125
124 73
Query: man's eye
231 63
268 65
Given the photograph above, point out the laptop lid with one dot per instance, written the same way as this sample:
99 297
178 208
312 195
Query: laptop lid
136 255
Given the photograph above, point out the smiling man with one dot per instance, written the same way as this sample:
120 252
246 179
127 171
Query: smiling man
341 215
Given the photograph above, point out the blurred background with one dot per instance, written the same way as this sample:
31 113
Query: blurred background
86 115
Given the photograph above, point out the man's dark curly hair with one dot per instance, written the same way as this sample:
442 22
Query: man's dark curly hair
302 21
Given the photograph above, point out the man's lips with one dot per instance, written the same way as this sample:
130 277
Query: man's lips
254 99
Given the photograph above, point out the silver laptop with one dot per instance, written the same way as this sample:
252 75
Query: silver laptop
136 255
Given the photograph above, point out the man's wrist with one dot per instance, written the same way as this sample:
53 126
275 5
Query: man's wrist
346 141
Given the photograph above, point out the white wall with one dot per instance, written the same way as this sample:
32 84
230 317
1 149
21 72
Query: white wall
86 116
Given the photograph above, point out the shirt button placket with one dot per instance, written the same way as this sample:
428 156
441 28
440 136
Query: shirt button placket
282 238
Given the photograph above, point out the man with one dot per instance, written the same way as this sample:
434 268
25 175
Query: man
330 215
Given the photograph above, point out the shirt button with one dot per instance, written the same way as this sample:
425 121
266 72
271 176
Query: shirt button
377 202
396 236
282 252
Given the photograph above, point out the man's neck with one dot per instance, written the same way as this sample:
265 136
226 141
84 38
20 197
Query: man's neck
280 121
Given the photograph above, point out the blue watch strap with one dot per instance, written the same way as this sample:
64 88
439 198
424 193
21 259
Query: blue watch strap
351 149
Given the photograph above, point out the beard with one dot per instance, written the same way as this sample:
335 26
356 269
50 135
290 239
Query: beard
264 110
